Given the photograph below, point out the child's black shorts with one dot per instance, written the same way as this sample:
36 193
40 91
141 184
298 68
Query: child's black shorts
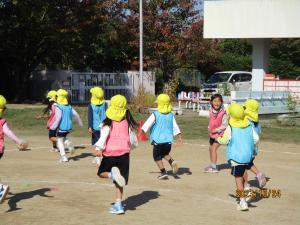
52 133
95 136
239 170
122 162
161 150
212 141
62 134
1 154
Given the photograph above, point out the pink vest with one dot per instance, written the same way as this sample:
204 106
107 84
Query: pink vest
215 121
2 122
118 141
52 116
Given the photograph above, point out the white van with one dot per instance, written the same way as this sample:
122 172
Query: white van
238 80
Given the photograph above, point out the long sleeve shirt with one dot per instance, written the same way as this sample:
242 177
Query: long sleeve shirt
10 134
58 115
105 131
151 121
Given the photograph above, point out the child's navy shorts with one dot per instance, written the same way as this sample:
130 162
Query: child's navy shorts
122 162
212 141
52 133
161 150
239 170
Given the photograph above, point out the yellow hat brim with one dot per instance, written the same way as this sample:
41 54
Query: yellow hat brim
115 114
166 108
238 123
251 115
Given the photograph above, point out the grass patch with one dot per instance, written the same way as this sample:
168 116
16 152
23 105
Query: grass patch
23 122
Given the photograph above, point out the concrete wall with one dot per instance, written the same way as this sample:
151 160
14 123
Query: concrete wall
251 18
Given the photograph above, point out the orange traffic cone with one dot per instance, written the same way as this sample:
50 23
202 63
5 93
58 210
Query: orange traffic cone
141 135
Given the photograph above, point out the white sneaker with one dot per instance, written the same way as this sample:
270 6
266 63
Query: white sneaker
117 177
97 160
63 159
242 206
71 147
3 192
54 150
174 167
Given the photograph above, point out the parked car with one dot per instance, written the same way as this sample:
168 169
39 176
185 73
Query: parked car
238 80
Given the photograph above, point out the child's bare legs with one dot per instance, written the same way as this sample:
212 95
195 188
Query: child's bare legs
105 175
119 193
213 153
212 167
160 164
172 163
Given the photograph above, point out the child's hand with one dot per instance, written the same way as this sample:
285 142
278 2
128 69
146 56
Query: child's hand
90 130
23 146
98 153
179 140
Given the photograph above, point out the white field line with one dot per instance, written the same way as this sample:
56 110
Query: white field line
185 143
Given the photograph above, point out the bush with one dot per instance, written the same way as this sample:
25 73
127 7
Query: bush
142 100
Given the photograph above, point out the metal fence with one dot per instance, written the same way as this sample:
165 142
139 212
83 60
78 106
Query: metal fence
112 83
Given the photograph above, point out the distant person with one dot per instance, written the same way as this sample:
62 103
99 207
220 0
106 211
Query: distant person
240 137
251 111
163 127
96 115
218 121
49 114
63 123
114 146
6 131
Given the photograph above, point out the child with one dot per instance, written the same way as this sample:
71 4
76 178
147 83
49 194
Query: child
114 146
63 122
163 128
251 111
218 121
4 130
96 115
240 138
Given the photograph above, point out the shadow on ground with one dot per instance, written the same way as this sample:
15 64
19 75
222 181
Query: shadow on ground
81 156
132 202
14 199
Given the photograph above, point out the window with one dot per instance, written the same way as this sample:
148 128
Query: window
235 78
245 77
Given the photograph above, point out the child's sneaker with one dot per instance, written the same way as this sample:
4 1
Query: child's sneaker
262 180
210 169
63 159
71 147
97 160
163 176
3 192
242 206
117 177
174 167
117 208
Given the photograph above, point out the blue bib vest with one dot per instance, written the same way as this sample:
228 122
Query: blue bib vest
241 146
98 115
162 130
66 117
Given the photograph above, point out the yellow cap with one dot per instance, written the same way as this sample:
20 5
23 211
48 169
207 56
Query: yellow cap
97 96
164 103
251 110
237 116
117 108
52 95
2 104
62 97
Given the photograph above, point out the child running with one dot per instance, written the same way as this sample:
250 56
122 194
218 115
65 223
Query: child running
63 123
163 128
218 121
240 138
96 115
114 146
5 130
251 111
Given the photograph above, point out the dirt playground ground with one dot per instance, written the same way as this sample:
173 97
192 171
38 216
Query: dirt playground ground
43 191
